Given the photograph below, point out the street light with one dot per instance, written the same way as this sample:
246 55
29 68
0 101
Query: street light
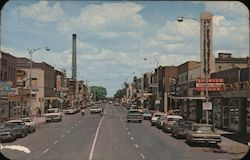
207 50
31 51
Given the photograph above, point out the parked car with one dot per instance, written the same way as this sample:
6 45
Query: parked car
70 110
53 114
178 130
95 109
7 132
20 128
155 116
30 123
159 121
202 133
134 115
169 122
146 114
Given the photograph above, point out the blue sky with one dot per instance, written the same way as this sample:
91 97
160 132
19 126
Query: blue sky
114 37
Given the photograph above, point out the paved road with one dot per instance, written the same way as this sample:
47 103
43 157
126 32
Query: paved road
107 137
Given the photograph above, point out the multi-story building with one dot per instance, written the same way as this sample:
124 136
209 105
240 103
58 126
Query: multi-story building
42 84
231 107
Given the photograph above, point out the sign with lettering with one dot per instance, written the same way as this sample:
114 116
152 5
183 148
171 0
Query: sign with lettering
4 88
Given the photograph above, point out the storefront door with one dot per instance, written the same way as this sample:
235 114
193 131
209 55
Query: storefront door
225 116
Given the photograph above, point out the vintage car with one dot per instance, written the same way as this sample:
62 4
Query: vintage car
70 110
146 114
202 133
95 109
53 114
159 121
20 128
178 130
30 123
7 132
134 115
169 122
155 116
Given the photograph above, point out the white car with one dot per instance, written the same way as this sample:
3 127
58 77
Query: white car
30 123
53 114
170 121
95 109
155 116
70 110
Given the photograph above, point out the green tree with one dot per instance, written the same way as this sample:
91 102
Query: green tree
99 92
120 93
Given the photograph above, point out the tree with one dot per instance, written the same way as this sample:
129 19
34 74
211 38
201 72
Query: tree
120 93
99 92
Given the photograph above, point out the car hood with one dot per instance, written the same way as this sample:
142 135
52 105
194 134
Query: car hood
5 130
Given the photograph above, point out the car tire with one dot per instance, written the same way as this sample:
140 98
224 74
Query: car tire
140 121
128 121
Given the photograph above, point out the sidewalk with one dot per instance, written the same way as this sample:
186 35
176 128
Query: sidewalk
39 120
233 143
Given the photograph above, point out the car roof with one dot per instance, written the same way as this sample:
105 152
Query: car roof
174 116
16 120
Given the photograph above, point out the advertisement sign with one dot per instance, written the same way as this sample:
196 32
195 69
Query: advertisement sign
4 88
58 83
216 84
157 101
206 106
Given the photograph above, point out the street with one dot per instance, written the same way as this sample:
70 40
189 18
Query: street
108 137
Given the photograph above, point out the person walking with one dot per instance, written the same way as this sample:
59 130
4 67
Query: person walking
82 111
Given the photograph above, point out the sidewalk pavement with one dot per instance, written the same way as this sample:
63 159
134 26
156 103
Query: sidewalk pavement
39 120
233 143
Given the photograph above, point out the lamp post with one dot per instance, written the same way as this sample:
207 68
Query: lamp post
205 23
31 51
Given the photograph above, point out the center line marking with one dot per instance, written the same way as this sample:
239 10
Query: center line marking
142 156
136 146
62 136
132 138
68 131
46 151
76 124
94 142
55 142
126 128
129 133
72 127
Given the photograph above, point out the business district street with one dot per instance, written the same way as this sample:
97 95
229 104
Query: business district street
107 137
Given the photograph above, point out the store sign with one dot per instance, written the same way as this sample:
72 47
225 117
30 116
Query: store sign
216 84
206 106
13 92
157 101
58 83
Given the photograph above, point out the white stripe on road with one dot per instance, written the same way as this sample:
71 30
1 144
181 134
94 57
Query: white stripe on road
55 142
72 127
136 145
126 128
129 133
132 138
142 156
68 131
46 151
76 124
94 142
62 136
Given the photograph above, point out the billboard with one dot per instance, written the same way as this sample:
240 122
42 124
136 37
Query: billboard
216 84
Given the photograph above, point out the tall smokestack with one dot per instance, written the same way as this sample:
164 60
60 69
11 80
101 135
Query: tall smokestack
74 56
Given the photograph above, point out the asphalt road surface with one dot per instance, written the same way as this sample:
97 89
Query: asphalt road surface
107 137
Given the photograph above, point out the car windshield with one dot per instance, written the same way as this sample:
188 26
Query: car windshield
26 120
203 128
178 58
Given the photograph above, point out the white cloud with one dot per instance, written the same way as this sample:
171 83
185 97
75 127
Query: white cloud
106 16
41 11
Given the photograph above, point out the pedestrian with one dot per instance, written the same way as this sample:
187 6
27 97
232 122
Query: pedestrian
82 111
39 112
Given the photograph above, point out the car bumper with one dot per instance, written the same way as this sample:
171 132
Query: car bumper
6 137
134 119
205 140
49 119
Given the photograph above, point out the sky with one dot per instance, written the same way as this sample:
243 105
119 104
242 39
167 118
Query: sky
115 37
